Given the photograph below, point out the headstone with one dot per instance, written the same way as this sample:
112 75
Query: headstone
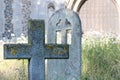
36 50
1 18
8 15
66 25
16 16
16 13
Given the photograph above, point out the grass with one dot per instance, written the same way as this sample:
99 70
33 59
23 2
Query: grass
100 61
12 69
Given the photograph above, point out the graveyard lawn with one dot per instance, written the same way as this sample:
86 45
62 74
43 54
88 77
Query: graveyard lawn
101 61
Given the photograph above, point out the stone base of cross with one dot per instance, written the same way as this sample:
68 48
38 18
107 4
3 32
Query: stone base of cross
36 50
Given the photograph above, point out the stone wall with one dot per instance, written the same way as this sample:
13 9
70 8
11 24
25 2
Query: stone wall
101 16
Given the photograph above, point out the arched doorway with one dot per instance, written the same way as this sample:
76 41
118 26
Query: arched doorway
100 15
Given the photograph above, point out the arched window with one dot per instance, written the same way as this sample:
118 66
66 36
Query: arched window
51 6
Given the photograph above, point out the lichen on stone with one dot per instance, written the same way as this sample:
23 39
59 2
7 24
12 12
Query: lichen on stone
49 47
15 49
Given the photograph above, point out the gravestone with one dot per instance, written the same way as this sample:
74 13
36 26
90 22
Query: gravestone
66 25
36 50
1 18
16 13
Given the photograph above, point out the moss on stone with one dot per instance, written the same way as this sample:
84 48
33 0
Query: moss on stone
15 49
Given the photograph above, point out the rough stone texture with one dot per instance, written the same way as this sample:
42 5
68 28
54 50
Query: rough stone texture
63 21
36 50
18 12
26 15
1 18
16 15
8 19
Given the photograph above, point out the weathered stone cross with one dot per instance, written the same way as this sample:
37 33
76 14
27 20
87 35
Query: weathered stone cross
36 50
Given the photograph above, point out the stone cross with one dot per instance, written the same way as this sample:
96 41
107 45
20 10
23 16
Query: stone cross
67 25
36 50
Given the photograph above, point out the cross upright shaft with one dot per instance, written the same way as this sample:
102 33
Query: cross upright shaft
36 50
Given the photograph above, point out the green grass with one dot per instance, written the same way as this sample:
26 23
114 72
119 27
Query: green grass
100 61
12 69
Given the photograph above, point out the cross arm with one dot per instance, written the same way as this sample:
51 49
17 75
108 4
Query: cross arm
16 51
56 51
